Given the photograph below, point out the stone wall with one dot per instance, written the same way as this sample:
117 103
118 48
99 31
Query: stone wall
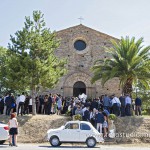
80 62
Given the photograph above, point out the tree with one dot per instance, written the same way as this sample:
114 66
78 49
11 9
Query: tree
3 65
144 94
32 60
130 62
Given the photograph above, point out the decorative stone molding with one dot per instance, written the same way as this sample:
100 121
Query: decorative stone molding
83 38
80 76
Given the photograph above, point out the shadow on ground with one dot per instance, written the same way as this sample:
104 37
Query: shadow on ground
70 146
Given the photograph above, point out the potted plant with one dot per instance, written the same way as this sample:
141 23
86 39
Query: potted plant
77 117
68 113
112 117
112 128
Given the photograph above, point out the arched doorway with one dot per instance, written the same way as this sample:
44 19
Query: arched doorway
78 88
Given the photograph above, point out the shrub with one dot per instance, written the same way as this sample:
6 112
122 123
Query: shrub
68 113
78 117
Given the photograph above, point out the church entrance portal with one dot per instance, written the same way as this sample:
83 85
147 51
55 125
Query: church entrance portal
79 88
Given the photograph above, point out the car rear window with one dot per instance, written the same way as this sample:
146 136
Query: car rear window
84 126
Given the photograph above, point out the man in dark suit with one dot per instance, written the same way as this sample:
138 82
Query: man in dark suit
94 104
86 116
8 102
138 104
1 105
99 118
123 105
50 101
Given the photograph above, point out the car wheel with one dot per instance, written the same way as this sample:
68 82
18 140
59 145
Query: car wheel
91 142
2 142
54 141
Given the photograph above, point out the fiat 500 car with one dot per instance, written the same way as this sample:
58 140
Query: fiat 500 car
74 132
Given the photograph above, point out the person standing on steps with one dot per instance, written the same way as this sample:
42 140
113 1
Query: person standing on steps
116 105
13 129
99 118
49 104
59 104
138 104
128 104
123 105
21 103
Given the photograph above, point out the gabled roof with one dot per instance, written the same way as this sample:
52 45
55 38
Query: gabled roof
81 26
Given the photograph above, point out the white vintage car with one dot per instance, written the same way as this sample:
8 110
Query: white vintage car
74 132
4 135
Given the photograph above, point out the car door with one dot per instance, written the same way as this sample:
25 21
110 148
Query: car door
71 133
85 132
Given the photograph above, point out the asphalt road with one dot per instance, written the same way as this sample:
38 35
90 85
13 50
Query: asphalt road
74 147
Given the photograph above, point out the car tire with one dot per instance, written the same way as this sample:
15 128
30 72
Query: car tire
91 142
2 142
54 141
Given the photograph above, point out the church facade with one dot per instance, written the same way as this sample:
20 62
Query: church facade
82 46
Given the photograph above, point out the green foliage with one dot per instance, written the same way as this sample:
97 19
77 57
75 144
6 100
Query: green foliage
33 62
3 66
112 117
144 95
130 62
68 113
146 112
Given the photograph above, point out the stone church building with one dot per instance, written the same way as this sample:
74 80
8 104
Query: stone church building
82 46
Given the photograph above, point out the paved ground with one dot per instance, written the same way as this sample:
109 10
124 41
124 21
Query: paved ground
70 147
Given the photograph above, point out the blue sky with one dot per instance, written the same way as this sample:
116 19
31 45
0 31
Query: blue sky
114 17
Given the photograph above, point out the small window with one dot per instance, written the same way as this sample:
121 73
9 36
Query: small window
79 45
72 126
84 126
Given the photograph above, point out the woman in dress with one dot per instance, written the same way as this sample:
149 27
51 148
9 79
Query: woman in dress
13 129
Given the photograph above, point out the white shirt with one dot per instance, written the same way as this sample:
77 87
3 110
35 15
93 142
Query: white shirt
83 110
5 98
30 101
13 123
92 114
115 100
128 100
69 108
18 100
22 98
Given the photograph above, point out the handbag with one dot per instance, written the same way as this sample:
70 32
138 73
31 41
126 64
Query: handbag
13 105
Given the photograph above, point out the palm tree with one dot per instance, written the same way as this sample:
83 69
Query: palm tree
130 62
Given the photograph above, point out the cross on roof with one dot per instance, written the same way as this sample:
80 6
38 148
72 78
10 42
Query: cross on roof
80 20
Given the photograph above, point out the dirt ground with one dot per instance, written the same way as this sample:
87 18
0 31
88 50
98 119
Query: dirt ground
32 129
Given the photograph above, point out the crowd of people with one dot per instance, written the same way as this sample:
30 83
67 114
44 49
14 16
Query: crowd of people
22 104
95 111
98 110
55 103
